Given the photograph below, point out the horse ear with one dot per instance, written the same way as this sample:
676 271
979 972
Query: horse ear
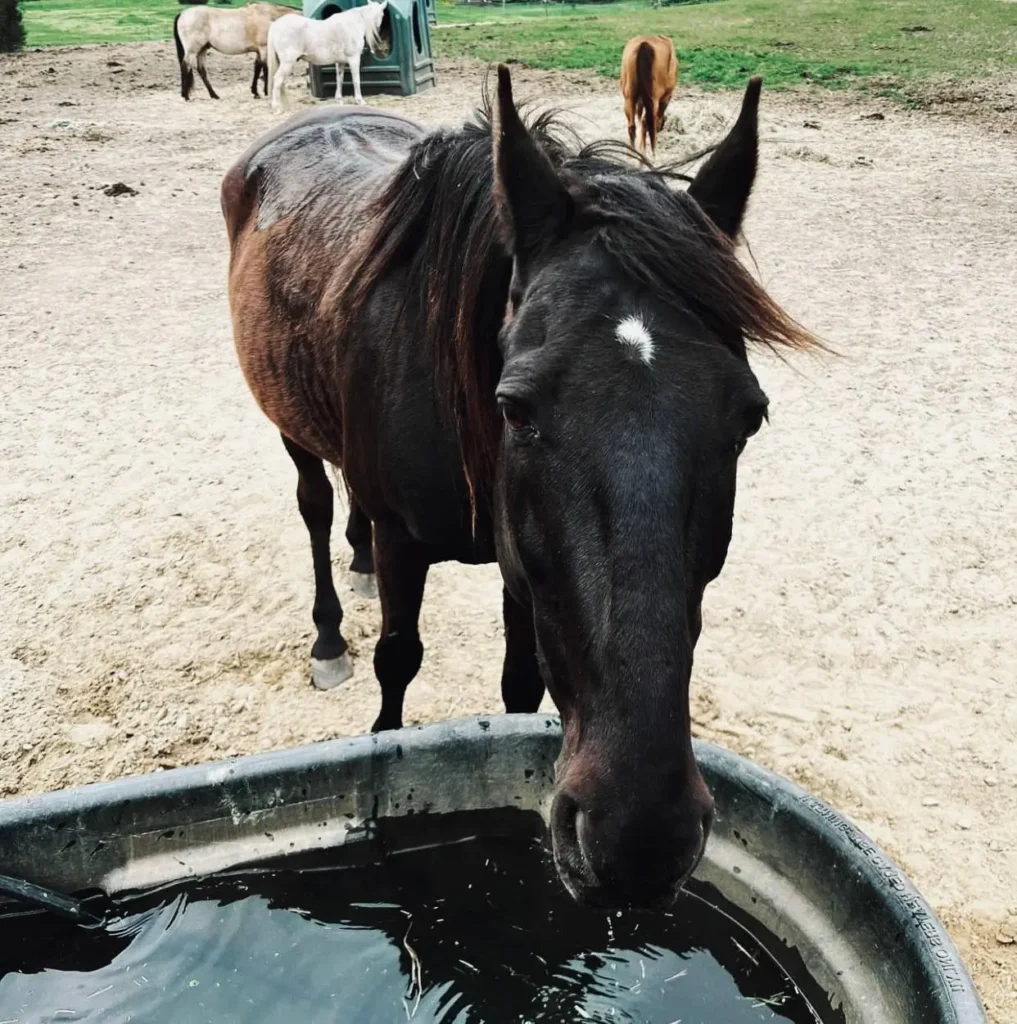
724 182
532 203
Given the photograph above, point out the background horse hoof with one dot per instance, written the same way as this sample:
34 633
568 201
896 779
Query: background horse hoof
327 674
364 585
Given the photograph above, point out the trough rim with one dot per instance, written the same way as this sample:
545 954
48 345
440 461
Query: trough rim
926 941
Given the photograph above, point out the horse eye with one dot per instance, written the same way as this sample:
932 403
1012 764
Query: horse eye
755 422
516 416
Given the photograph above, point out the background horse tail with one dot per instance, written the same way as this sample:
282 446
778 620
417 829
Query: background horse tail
644 92
186 72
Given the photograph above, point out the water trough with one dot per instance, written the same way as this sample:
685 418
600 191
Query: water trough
816 886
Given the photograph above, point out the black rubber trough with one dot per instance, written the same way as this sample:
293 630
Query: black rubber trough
778 855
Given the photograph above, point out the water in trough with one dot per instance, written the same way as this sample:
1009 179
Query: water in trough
463 924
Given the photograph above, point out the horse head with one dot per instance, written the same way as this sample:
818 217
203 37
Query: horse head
626 398
377 27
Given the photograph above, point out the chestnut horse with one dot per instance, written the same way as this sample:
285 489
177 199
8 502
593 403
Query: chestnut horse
521 350
649 76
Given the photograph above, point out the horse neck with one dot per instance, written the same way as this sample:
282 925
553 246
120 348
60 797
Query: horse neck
366 22
351 29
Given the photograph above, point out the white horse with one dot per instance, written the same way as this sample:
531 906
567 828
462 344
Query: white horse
234 32
338 40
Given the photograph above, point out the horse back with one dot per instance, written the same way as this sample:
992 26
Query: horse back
258 17
293 206
649 67
323 155
665 66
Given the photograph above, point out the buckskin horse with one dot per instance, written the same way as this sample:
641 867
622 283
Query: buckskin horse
649 77
521 350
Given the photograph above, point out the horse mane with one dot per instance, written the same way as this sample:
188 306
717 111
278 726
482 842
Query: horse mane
436 222
372 32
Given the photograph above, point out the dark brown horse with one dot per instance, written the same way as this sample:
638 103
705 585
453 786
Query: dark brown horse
523 350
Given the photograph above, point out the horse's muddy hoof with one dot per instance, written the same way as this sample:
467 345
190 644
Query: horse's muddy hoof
328 674
364 585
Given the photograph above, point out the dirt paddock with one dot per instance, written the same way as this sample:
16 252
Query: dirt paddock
155 583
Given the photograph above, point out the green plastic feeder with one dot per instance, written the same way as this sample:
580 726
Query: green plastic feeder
409 66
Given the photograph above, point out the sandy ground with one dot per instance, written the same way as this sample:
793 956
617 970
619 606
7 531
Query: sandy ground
155 583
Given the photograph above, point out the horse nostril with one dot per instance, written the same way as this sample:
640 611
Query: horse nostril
565 818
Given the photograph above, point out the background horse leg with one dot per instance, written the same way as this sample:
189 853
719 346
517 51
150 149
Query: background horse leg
186 76
402 565
522 687
330 658
200 61
354 63
279 82
661 108
630 120
360 535
257 72
263 54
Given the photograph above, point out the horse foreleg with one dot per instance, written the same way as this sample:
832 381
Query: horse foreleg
330 657
257 72
402 565
200 61
360 535
354 63
522 687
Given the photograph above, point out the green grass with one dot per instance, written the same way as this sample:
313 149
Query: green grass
836 43
64 22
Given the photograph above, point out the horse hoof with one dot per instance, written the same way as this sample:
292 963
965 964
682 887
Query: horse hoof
364 585
328 674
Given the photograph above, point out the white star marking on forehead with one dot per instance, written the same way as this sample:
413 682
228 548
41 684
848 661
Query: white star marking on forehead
632 331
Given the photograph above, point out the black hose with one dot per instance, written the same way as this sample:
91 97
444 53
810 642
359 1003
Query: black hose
67 907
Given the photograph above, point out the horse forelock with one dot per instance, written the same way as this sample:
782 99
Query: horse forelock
661 239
